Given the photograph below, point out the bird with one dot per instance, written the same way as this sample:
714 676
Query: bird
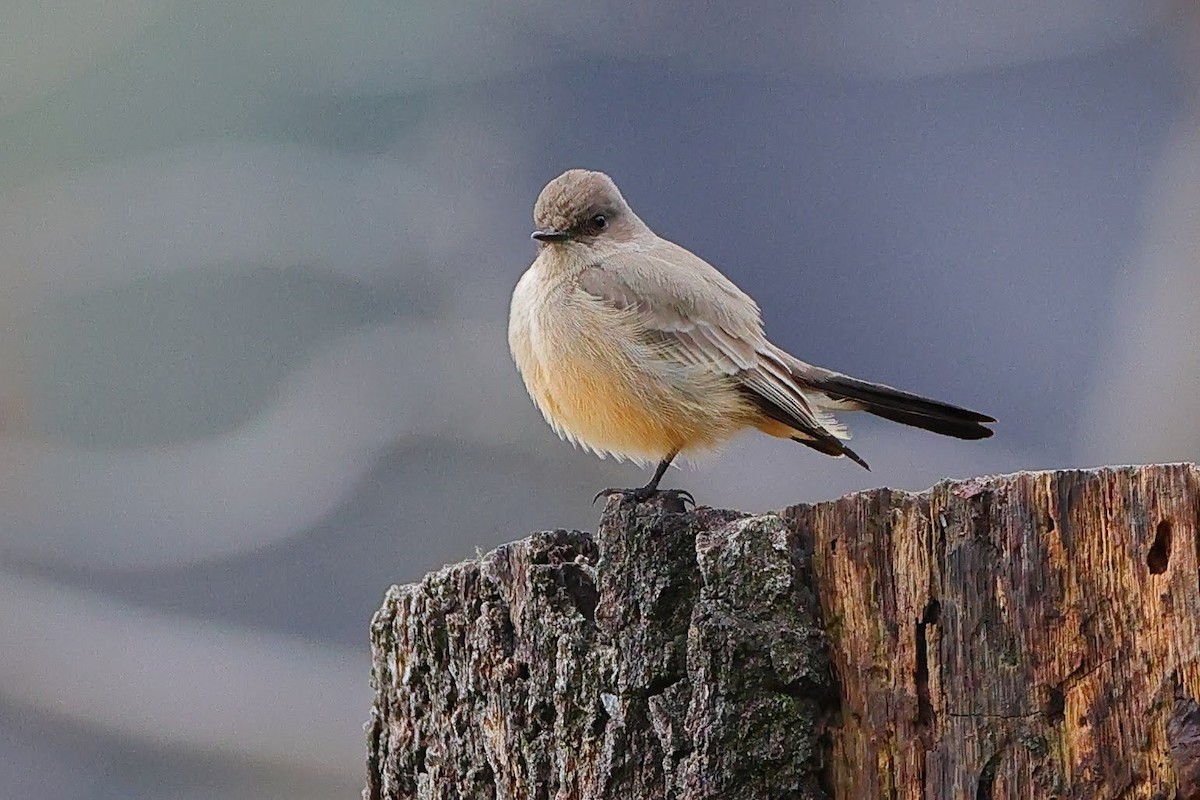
632 346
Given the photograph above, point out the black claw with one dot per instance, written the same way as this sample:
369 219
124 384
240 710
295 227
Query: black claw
644 493
607 493
682 495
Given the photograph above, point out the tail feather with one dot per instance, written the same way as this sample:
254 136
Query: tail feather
899 406
817 438
832 446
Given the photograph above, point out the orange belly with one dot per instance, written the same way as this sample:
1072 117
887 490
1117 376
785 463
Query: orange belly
634 411
602 384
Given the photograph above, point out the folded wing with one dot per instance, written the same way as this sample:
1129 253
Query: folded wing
719 329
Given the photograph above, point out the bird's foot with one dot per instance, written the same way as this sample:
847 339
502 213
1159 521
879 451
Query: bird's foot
680 497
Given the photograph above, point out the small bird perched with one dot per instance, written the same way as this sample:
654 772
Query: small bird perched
630 345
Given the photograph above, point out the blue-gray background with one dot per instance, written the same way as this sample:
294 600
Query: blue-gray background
255 261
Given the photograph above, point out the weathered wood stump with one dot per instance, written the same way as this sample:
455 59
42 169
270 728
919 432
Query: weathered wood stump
1026 636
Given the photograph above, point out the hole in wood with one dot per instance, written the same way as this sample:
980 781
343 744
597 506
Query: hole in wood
987 778
933 612
600 721
1056 704
1160 551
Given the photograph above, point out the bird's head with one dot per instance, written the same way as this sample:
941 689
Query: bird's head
582 207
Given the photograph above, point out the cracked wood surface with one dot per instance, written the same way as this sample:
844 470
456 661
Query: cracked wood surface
1026 636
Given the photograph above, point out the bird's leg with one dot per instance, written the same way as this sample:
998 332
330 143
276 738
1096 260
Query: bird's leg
652 487
643 493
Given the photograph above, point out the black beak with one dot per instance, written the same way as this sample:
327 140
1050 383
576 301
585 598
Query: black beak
549 235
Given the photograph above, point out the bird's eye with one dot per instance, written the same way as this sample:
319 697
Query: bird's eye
595 224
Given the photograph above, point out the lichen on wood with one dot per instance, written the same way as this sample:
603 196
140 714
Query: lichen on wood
674 655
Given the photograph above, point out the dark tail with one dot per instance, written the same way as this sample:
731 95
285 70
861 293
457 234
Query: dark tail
900 406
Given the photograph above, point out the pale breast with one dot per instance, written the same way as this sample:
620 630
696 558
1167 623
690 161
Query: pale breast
601 385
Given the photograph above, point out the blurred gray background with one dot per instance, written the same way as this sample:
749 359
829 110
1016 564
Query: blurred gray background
256 260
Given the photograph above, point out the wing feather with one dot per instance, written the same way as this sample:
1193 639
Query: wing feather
722 334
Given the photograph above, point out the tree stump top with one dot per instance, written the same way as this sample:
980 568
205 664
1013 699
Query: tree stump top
1028 636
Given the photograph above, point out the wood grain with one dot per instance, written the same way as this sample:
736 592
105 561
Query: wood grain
1027 636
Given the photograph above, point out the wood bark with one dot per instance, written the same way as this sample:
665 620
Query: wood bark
1026 636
